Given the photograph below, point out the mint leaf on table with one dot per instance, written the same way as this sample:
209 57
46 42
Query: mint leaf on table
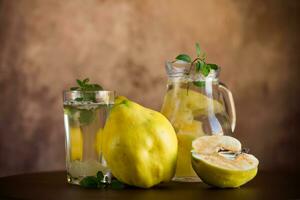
184 57
97 182
89 182
100 176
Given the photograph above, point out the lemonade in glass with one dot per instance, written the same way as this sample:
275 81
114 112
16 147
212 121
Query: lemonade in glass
85 113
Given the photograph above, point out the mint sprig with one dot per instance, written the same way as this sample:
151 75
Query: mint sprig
87 94
86 87
98 182
199 64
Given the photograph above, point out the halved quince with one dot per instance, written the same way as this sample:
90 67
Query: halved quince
219 161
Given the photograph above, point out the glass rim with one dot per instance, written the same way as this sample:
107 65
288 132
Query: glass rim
96 91
183 72
99 95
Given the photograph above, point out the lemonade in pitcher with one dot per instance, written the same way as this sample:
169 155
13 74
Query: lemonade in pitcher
196 105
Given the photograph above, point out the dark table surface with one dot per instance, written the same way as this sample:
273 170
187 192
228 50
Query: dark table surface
52 185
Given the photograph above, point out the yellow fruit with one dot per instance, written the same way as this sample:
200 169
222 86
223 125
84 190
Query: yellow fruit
76 143
140 145
224 170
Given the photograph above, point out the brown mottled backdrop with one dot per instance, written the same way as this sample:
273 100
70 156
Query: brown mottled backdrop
45 45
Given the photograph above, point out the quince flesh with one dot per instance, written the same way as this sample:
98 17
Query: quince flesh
222 170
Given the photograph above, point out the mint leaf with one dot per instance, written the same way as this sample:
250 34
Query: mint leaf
213 66
199 83
89 96
89 182
86 116
79 99
203 56
85 86
184 57
199 65
96 182
80 83
100 176
97 87
115 184
198 50
85 80
92 87
205 69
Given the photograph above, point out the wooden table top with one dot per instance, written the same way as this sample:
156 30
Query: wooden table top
52 185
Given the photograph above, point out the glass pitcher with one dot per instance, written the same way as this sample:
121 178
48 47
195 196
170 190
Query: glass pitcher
196 106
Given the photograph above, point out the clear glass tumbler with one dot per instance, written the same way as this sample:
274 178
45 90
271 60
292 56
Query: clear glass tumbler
85 113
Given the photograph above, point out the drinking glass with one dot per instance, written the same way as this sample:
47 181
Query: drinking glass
85 113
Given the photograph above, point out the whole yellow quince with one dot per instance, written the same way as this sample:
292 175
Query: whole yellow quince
139 144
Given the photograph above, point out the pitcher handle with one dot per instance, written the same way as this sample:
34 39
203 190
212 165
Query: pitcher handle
229 104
